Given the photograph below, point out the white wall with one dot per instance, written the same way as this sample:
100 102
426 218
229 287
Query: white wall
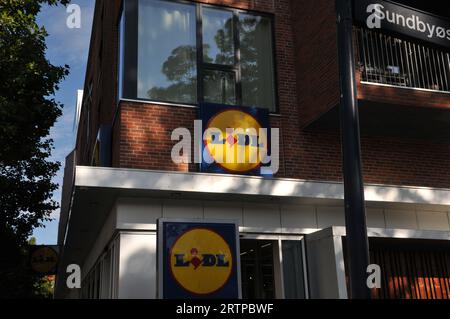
142 214
137 266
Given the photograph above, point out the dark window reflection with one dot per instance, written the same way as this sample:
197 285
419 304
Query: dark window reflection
258 87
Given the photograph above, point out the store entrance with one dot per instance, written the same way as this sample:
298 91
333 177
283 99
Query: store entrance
257 269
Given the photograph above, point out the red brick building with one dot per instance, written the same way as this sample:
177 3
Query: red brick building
152 63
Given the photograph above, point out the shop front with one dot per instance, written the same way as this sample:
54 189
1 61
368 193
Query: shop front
290 233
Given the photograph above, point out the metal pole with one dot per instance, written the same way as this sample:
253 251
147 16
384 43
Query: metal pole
355 216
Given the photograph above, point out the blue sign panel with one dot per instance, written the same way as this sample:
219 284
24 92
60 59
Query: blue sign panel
198 259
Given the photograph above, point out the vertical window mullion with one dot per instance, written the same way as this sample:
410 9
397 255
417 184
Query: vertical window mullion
237 57
200 72
120 53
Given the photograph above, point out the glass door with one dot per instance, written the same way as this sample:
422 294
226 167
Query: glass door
273 267
257 269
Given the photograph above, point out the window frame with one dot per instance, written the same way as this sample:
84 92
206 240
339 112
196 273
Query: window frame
120 51
130 52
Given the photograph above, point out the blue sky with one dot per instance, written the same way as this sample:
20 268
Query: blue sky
65 46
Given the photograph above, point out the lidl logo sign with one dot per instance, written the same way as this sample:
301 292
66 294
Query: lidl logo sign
236 140
43 259
199 260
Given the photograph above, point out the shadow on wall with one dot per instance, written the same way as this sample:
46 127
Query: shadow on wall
137 274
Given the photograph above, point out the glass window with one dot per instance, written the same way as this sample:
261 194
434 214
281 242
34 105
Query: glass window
257 69
218 37
167 51
294 285
167 56
219 87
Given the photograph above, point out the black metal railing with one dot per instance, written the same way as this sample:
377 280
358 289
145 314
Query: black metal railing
385 59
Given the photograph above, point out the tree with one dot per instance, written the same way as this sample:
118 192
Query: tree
180 70
27 112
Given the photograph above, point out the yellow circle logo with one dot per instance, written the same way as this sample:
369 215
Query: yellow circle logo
44 260
201 261
236 145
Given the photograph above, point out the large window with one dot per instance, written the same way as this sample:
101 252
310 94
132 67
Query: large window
184 53
167 53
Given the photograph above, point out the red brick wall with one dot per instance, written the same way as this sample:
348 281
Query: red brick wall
102 57
145 135
399 161
315 35
141 136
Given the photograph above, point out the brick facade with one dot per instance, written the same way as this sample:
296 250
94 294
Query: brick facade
307 82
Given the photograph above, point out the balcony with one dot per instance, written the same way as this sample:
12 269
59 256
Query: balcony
403 89
387 60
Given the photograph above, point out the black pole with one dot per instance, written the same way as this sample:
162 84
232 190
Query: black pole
355 217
